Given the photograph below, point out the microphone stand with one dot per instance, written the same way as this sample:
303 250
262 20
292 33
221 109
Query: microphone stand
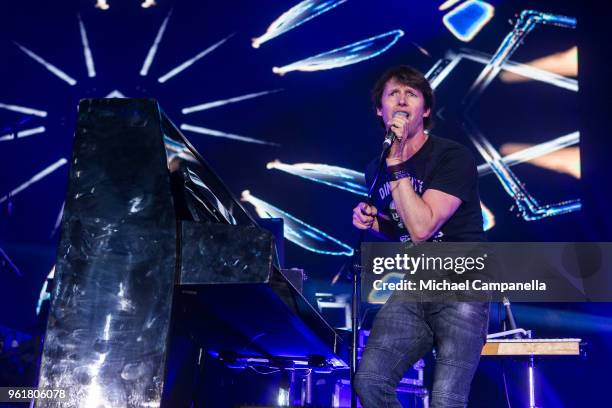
355 301
356 280
509 321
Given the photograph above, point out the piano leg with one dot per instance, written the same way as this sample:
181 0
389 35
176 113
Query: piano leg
294 390
306 399
284 388
289 388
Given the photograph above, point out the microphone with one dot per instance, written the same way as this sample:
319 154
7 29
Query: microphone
510 317
390 136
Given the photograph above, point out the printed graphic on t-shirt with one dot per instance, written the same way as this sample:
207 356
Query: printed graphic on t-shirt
385 190
418 187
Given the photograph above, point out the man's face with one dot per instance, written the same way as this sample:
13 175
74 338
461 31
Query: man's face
398 97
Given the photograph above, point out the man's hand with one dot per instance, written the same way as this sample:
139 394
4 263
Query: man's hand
364 217
399 126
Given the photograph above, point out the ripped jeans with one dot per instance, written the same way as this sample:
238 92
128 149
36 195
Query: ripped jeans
404 331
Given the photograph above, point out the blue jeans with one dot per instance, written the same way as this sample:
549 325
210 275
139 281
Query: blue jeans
406 330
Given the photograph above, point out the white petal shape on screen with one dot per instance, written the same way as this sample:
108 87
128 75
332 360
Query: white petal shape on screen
334 176
343 56
295 16
299 232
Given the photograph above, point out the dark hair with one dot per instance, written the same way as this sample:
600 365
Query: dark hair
410 76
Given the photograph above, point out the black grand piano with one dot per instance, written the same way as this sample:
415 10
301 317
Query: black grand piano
159 266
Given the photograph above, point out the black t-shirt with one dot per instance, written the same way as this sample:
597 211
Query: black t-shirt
443 165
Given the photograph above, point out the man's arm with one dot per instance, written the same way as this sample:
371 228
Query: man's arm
452 182
422 216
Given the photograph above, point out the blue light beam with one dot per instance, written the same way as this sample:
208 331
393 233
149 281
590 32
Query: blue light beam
153 50
37 177
343 56
58 221
23 109
89 62
297 231
10 263
217 133
175 71
221 102
22 133
50 67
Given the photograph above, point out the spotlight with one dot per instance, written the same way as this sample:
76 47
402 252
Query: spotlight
102 5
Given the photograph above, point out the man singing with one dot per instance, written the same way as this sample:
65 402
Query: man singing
429 192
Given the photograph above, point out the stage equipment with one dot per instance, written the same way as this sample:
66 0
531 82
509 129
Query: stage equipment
522 344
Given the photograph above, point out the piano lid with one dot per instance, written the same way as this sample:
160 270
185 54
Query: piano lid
199 193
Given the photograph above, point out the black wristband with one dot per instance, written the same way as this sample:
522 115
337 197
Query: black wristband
397 172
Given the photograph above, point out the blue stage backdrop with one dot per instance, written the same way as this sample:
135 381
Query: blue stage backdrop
276 98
